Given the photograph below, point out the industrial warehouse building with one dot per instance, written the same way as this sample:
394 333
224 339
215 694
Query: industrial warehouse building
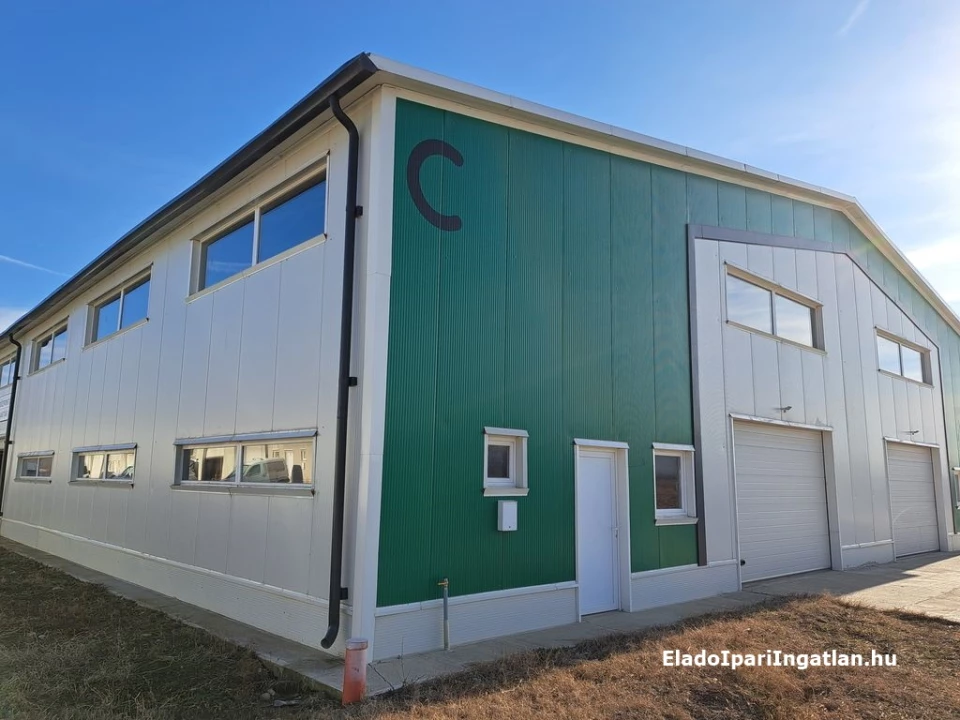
576 370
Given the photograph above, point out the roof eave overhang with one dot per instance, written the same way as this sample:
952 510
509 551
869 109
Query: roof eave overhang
364 66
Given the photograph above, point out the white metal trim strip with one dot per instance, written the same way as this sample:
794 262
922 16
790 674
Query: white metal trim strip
478 597
105 448
780 423
248 437
601 444
37 453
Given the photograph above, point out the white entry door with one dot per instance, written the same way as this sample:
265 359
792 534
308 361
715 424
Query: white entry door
598 553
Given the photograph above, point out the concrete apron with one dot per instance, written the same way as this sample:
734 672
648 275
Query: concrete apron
928 584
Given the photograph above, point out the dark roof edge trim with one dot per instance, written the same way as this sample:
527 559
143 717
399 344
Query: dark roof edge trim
346 78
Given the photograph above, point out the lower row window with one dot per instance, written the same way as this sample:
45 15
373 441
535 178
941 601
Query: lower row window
674 489
270 463
35 467
105 465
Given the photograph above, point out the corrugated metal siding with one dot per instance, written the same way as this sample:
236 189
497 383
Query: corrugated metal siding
560 307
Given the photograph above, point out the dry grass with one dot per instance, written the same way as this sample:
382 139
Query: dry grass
70 650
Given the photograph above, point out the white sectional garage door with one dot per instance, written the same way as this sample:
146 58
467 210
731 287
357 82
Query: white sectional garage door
781 501
913 503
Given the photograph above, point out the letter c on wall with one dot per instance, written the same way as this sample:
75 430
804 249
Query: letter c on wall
418 156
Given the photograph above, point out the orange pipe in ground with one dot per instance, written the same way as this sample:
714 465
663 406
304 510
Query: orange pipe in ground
355 671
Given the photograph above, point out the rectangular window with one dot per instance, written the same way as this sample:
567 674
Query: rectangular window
271 230
279 462
673 484
123 308
50 348
7 371
105 463
35 466
898 358
504 462
765 307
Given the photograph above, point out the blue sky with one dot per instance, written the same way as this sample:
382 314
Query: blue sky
109 109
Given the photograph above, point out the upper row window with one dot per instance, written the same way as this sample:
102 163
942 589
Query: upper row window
768 310
50 348
125 307
271 230
8 369
900 359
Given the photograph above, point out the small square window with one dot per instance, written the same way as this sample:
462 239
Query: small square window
674 490
505 462
669 479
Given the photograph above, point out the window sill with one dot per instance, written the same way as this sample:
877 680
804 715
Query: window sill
776 338
251 489
253 269
102 483
505 492
684 520
46 367
44 481
896 376
116 333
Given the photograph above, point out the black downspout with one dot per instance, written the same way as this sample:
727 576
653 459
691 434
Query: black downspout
6 438
337 591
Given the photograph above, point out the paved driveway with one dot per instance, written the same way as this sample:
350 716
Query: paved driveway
928 583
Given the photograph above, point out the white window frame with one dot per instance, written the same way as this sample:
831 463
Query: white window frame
516 440
106 451
120 291
34 456
815 307
925 359
63 326
238 442
252 212
686 514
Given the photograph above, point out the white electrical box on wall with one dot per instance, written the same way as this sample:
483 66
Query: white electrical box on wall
507 516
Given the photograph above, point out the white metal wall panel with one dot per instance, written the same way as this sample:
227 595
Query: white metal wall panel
781 501
913 502
840 388
258 354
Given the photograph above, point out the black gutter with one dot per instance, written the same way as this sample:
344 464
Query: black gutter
337 591
10 407
347 77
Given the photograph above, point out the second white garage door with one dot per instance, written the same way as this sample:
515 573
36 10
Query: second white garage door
913 502
781 501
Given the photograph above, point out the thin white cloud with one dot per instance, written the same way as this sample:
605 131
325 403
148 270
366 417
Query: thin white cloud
9 315
854 17
29 266
945 252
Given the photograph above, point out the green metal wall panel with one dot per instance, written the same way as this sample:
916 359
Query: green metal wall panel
560 307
